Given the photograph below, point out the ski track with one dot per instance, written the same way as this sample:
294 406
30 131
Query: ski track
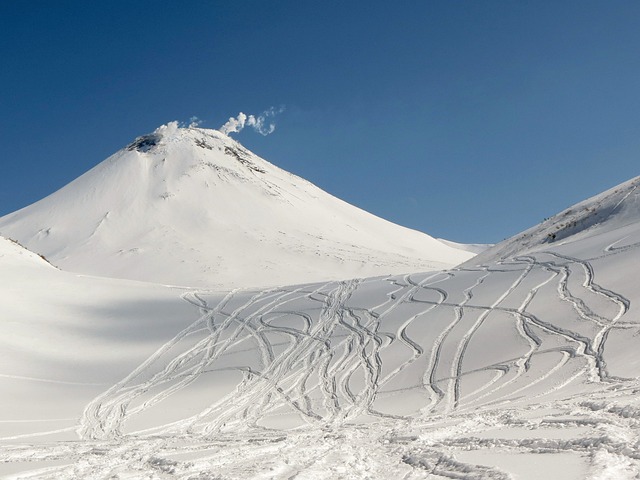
335 362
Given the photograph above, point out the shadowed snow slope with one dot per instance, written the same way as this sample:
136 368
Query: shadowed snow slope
188 206
524 366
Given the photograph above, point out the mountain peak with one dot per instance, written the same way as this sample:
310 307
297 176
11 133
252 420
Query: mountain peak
171 138
191 206
170 133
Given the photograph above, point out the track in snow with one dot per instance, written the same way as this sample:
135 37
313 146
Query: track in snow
400 375
341 352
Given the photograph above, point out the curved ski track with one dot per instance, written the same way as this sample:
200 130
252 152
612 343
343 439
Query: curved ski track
329 368
401 351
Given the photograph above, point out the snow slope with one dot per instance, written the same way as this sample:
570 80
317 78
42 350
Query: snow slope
65 337
188 206
607 211
522 365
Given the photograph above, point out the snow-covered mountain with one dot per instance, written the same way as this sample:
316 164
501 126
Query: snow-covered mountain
189 206
519 364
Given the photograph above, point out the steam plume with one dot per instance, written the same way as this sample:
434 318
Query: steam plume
260 123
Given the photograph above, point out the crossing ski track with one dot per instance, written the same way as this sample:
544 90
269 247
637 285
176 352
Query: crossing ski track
368 378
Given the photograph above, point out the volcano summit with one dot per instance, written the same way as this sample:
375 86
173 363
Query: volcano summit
191 206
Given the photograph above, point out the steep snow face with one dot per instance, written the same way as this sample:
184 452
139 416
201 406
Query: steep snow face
613 209
191 206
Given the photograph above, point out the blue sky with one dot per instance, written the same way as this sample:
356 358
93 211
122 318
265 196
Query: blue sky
464 119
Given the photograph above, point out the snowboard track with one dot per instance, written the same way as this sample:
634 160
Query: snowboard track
321 358
315 374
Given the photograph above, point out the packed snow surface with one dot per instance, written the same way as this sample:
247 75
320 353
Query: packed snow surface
190 206
522 363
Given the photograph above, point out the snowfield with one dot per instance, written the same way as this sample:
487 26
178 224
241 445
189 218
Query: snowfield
522 362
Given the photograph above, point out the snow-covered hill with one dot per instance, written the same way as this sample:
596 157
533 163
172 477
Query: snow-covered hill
522 365
609 211
64 338
189 206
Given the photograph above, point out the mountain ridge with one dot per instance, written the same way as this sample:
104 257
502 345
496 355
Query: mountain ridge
614 208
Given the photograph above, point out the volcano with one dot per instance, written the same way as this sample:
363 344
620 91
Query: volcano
191 206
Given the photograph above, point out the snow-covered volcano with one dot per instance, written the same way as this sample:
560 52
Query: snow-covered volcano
190 206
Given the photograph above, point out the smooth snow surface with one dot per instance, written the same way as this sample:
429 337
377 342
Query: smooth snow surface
521 365
189 206
469 247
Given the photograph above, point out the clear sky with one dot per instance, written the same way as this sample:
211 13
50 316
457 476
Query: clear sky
469 120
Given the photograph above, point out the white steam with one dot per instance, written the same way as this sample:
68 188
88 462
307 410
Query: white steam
261 123
167 130
194 122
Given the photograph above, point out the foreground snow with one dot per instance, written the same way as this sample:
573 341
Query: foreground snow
516 366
